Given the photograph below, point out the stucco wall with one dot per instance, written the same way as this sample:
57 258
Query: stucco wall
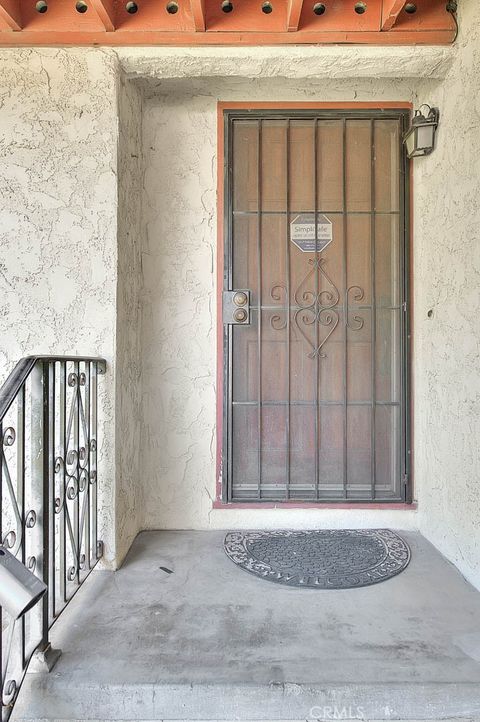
129 487
447 281
58 239
179 300
70 176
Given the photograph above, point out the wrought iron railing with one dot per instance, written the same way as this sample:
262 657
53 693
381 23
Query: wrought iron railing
48 496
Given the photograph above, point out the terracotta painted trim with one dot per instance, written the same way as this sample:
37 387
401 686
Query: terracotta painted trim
154 38
268 105
342 105
220 269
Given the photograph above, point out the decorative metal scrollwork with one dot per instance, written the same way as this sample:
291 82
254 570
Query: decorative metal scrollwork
9 692
276 321
355 323
9 539
324 299
9 436
316 308
312 308
309 317
31 519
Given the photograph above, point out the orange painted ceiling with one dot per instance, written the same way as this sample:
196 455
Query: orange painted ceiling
224 22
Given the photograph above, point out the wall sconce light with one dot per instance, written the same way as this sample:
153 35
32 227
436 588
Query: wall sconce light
20 589
420 137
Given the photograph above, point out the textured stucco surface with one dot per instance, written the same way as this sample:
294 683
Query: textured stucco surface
58 119
447 281
304 62
179 301
67 185
129 489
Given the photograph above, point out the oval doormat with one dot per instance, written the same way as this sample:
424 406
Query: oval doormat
320 559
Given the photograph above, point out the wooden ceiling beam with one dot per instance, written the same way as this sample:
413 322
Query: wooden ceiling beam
293 15
28 38
10 14
390 12
198 12
106 13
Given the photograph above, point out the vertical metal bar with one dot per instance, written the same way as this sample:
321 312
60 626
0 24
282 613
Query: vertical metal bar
76 446
373 318
287 306
45 485
345 311
228 281
404 254
63 479
1 537
86 531
50 498
317 310
38 533
21 493
259 291
93 461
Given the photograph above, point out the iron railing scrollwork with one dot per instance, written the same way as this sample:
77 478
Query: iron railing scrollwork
48 495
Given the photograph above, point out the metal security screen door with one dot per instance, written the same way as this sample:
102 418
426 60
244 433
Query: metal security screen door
315 307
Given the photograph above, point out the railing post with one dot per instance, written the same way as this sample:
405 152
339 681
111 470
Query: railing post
42 425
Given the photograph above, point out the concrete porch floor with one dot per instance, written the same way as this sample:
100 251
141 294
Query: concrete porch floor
212 642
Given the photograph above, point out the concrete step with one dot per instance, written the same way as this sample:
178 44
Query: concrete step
47 699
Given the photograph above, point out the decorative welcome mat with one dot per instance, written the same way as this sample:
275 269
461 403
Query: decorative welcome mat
321 559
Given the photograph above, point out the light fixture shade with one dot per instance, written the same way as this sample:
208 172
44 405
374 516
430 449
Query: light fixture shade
420 137
20 589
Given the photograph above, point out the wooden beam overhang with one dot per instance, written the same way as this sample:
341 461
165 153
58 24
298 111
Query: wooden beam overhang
293 15
10 14
390 12
198 13
236 22
106 12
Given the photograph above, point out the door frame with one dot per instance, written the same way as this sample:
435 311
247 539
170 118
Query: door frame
226 113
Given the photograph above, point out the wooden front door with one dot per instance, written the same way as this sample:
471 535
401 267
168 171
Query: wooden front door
315 344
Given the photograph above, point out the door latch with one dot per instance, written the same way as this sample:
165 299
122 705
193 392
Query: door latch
236 307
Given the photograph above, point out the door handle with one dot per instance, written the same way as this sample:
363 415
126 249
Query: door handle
236 307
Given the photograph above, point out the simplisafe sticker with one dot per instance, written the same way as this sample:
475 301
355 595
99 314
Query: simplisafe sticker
302 232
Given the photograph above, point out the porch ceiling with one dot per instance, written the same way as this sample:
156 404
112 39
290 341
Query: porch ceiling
231 22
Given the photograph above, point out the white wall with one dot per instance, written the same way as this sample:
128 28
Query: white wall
129 488
58 240
179 300
447 280
59 125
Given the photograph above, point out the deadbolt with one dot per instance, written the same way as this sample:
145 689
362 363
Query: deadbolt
240 299
236 305
240 315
